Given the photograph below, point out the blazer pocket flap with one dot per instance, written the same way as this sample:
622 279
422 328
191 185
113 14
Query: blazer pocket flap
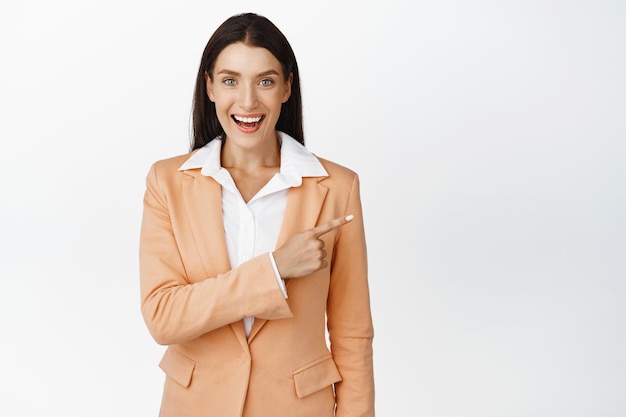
177 367
315 376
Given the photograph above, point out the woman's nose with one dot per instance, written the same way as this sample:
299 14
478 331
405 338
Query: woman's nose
247 97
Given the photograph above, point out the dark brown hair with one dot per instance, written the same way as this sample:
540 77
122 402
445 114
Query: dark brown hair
253 30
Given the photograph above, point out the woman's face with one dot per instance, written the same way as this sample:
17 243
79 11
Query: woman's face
248 88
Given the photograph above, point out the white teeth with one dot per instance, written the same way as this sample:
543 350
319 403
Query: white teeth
248 119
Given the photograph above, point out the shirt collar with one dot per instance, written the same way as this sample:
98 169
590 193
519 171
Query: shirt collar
296 161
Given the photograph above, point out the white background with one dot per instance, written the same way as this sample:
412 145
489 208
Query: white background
490 140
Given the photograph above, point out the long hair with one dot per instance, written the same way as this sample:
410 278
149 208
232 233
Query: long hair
257 31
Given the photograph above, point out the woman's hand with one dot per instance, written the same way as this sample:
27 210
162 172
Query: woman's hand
304 252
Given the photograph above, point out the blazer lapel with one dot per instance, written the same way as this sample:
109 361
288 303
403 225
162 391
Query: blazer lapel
203 199
304 204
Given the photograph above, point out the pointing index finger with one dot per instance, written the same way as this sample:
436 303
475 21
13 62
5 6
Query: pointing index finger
331 225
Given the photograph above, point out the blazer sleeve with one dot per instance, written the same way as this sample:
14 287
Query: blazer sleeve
176 308
350 325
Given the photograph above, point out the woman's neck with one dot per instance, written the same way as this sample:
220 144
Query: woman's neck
250 159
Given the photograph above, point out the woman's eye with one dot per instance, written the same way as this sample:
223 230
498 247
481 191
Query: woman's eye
229 81
266 82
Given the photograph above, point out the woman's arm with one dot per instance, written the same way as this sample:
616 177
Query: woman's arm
349 317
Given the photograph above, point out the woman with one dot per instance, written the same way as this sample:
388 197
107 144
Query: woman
252 249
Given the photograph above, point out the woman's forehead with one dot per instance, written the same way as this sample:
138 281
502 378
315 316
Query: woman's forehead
245 59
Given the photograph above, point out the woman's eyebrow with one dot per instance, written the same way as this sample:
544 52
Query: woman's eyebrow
235 73
228 72
268 72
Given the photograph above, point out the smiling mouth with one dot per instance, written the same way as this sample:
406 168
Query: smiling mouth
248 122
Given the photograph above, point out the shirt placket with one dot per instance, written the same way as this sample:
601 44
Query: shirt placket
247 233
246 245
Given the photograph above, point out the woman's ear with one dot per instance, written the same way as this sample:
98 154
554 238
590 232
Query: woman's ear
209 85
288 87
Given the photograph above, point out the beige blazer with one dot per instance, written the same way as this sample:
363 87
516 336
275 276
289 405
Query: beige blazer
193 302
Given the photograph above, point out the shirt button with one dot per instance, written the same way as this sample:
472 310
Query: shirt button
245 258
